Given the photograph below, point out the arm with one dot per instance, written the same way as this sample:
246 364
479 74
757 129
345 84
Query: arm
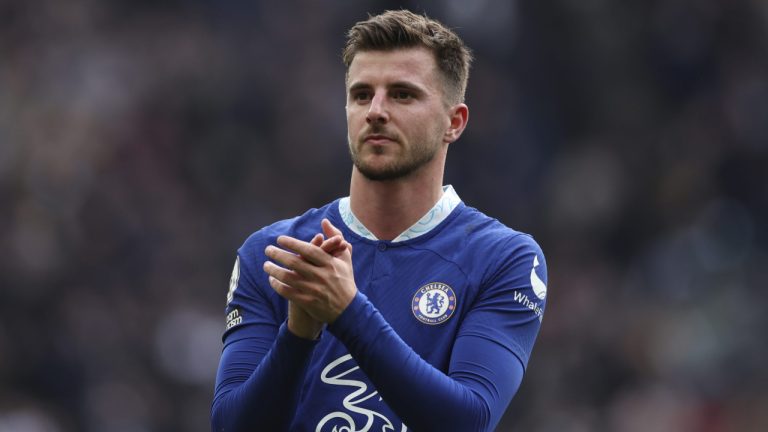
259 380
484 372
482 377
262 367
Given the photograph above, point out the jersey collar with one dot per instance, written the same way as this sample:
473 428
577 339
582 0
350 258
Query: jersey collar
431 219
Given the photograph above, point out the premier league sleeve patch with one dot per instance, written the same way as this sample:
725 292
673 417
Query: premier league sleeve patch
233 280
434 303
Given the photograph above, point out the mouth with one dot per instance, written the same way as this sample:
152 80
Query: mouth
378 139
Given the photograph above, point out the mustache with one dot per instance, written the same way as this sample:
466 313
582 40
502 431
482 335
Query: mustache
378 129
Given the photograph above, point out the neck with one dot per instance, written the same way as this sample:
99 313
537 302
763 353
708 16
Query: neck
387 208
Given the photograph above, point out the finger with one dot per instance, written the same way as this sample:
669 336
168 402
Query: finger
288 260
336 246
288 292
308 251
281 288
329 230
283 275
332 244
317 240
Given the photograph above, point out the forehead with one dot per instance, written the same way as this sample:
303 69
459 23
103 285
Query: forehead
416 65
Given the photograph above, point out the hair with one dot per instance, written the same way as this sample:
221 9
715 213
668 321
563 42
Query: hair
404 29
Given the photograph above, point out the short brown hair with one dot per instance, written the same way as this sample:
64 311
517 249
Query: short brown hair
405 29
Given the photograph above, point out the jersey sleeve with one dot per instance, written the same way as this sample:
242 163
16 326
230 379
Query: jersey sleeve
262 365
510 308
249 305
487 361
482 376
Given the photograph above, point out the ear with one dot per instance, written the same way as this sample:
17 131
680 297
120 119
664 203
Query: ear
459 116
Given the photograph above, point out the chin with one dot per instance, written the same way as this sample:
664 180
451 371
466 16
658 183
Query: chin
385 172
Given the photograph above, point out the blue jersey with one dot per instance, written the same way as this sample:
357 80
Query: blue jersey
437 337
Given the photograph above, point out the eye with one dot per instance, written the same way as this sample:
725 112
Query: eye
361 96
402 95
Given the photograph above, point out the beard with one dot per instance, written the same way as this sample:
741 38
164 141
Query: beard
410 160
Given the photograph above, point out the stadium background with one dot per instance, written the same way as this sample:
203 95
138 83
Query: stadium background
142 141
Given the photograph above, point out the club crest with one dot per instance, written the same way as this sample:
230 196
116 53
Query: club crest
434 303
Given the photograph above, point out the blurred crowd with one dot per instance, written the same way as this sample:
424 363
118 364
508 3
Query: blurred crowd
142 142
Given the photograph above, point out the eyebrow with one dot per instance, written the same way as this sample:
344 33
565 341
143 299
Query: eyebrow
358 86
397 84
408 86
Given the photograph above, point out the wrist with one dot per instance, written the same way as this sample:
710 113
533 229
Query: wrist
342 306
303 331
349 316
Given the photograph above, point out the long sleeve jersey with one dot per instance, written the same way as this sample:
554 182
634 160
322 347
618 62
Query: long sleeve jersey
436 339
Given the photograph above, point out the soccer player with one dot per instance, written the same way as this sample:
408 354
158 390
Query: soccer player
396 308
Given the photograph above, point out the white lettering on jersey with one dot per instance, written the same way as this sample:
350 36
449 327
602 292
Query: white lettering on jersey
233 318
539 287
525 301
234 280
351 401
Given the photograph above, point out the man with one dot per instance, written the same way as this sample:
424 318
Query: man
406 309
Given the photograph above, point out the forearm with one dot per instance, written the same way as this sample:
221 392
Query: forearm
471 397
257 390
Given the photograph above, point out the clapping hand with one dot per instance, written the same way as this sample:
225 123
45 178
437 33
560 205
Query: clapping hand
315 277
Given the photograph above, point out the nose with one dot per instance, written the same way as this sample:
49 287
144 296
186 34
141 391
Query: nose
377 110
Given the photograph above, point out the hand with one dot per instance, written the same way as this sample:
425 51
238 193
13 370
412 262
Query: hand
300 323
318 280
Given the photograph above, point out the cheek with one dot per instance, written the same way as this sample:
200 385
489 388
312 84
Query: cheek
428 127
351 127
354 118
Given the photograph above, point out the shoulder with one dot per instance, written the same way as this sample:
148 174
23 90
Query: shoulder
248 279
484 244
302 227
491 235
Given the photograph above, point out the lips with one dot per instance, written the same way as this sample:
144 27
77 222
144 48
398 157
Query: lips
378 139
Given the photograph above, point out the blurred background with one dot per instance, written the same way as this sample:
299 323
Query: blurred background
141 142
